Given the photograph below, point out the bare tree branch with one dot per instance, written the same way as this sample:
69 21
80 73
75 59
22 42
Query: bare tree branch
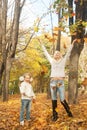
45 14
22 4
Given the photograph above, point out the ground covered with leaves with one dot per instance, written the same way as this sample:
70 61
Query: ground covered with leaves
41 113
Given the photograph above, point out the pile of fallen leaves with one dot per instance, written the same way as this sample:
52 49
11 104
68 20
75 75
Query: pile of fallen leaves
41 113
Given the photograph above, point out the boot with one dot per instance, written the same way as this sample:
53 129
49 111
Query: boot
55 114
67 108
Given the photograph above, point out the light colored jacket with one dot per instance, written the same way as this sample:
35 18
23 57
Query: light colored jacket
57 66
27 89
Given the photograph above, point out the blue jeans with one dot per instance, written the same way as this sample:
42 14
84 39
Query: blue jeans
25 104
55 87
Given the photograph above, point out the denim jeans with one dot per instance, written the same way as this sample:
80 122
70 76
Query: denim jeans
57 86
25 104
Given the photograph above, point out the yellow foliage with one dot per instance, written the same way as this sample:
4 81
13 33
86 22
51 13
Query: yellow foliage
36 29
44 68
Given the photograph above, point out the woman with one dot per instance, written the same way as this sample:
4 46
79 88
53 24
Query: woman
57 76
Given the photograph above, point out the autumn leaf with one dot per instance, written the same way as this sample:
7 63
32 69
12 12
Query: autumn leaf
73 33
73 14
64 46
14 118
44 68
66 17
36 29
3 120
58 28
55 29
41 115
78 40
56 109
66 128
85 39
52 39
55 34
46 36
84 82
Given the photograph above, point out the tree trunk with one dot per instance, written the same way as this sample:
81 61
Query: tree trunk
4 56
12 50
8 50
74 59
1 70
73 74
0 25
59 34
6 78
70 2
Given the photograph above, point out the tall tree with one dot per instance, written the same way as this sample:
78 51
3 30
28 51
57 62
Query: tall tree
9 42
81 7
75 24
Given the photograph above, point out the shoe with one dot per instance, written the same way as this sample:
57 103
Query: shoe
67 108
22 123
70 114
55 114
29 120
54 118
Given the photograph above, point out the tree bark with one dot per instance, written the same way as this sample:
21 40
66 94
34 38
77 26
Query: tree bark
73 73
0 24
4 56
59 34
74 59
70 2
8 50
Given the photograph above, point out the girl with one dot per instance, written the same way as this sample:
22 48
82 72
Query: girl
27 95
